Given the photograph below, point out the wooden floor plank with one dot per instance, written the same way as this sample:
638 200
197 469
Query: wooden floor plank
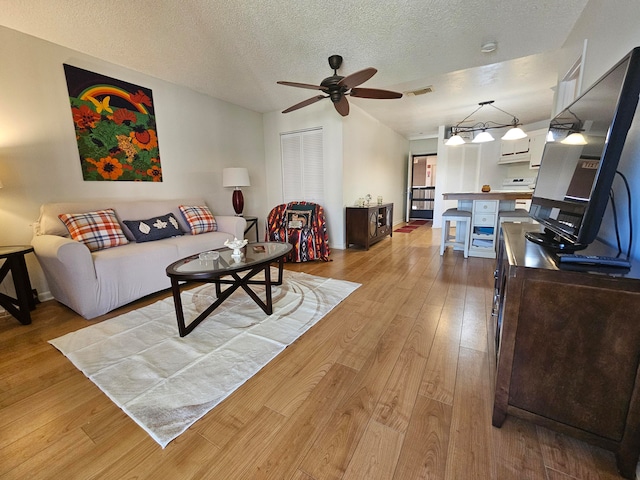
282 458
424 450
517 451
331 452
398 398
377 454
470 452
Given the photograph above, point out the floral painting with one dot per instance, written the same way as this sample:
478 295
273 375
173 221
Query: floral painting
115 128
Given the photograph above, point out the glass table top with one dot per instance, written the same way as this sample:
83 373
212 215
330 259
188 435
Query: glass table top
252 254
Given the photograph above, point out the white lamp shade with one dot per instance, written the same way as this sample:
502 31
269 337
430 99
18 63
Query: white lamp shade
514 133
576 138
235 177
483 137
455 140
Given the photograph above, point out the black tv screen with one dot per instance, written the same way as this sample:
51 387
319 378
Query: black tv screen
576 174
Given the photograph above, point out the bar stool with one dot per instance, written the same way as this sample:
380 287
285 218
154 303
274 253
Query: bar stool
463 224
519 215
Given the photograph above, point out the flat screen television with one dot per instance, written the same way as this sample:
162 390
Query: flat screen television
580 158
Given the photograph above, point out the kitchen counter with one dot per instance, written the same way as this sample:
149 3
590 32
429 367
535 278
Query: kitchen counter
486 210
492 195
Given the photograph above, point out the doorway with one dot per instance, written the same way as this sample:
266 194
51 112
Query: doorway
423 186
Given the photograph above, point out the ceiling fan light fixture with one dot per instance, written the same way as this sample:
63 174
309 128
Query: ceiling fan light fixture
515 133
483 137
337 88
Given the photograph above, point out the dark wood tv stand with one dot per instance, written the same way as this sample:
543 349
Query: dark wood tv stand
567 347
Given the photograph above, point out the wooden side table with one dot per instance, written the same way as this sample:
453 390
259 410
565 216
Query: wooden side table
14 262
252 222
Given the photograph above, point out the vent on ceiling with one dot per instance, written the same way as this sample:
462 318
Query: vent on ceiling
419 91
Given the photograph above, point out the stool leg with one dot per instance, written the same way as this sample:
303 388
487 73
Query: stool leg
445 236
467 238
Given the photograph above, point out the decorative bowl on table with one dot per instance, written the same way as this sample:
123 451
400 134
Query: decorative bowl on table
236 245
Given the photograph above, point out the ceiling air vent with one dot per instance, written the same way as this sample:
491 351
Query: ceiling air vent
419 91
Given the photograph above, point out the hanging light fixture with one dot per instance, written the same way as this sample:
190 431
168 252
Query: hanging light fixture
575 138
455 140
569 128
483 137
514 133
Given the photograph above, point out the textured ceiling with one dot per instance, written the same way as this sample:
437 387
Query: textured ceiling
236 50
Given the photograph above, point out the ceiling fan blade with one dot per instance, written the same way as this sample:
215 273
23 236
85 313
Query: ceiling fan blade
357 78
374 93
302 85
308 101
342 106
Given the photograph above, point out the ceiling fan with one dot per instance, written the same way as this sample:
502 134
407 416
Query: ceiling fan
337 88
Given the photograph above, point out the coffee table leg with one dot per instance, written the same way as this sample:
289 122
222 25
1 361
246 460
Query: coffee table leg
280 271
267 289
175 288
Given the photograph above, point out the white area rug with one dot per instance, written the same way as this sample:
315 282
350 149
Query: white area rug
166 383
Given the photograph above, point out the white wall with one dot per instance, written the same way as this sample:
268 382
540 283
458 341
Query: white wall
321 114
375 162
197 135
424 146
361 156
611 31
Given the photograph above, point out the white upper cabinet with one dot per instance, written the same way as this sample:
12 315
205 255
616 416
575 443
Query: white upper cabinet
538 139
525 150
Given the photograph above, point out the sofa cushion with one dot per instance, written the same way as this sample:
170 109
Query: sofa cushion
199 218
97 230
154 228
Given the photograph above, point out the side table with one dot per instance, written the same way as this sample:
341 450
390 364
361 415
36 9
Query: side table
252 222
14 262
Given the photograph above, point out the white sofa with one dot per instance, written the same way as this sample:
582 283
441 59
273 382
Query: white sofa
94 283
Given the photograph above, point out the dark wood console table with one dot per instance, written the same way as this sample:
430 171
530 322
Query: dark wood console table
369 224
567 346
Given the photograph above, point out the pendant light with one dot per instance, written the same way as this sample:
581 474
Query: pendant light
514 133
483 137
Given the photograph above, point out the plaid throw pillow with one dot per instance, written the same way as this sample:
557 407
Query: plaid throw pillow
97 230
199 218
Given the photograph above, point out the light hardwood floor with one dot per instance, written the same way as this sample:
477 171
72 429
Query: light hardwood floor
394 384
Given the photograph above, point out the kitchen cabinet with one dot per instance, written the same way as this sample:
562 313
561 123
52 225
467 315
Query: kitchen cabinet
484 221
525 150
538 140
369 224
567 346
514 147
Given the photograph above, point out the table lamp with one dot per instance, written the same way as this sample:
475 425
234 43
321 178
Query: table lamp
236 178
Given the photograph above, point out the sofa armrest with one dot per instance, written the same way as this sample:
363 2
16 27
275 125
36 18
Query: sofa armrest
69 270
232 224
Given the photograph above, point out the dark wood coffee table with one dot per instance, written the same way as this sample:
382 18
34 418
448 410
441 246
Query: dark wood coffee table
256 258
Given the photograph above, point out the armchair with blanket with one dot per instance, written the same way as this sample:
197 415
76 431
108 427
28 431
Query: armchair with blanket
301 224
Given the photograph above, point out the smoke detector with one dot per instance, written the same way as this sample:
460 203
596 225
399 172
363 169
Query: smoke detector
488 47
419 91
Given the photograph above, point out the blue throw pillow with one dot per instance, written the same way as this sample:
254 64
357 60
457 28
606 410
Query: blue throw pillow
154 228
